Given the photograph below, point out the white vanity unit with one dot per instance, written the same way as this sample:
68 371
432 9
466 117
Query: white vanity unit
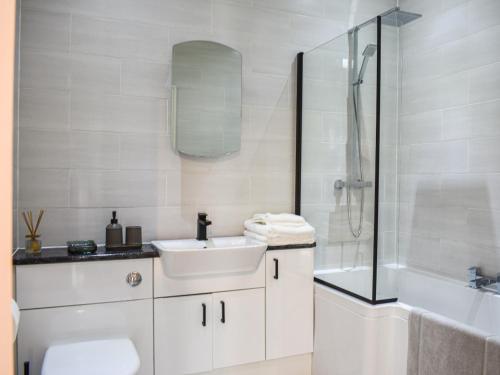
182 319
80 301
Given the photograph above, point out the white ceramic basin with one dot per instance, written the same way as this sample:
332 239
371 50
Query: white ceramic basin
220 255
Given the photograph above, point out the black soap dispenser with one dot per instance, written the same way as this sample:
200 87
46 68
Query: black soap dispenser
114 234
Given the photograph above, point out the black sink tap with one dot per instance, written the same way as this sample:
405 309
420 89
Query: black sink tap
203 223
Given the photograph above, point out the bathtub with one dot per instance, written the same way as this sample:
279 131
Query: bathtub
353 337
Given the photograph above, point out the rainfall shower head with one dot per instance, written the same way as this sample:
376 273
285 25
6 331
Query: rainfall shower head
397 17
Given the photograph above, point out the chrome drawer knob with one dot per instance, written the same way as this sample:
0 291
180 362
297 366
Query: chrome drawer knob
134 279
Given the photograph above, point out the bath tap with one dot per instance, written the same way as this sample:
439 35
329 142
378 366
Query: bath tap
478 281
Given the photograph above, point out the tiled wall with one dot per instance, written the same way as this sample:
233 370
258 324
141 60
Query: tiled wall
93 110
450 137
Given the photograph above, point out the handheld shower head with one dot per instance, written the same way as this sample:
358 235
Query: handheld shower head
368 52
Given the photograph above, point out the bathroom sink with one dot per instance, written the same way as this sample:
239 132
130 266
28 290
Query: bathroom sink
219 255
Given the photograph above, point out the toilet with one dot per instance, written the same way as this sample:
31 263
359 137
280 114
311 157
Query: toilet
99 357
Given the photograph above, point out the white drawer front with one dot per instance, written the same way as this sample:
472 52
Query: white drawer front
62 284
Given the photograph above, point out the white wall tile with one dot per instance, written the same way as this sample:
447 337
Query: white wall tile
483 14
432 94
147 151
420 251
126 39
44 109
91 188
93 74
275 188
45 31
420 127
325 96
141 78
251 22
324 157
478 120
485 83
270 124
312 31
44 70
43 188
438 157
311 189
94 150
202 189
265 90
48 5
44 149
118 113
479 191
485 154
312 8
162 222
420 190
271 59
192 13
479 51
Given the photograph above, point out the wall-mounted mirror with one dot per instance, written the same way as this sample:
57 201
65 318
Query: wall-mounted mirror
206 99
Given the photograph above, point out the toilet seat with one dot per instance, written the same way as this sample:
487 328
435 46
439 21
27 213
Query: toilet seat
99 357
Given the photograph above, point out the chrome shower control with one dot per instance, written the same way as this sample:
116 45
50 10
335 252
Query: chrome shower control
339 184
134 279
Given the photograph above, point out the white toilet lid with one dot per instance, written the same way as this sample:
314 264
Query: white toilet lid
100 357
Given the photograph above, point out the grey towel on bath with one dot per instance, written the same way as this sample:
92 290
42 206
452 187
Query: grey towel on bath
492 360
450 348
414 340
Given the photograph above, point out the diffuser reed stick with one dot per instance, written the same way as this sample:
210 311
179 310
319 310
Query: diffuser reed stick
33 244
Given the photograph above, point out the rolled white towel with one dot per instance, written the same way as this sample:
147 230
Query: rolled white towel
284 219
274 230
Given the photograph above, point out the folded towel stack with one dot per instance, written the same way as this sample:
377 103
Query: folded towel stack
279 229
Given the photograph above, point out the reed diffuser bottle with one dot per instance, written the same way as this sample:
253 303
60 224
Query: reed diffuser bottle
33 245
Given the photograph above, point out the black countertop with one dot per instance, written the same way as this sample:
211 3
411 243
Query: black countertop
291 247
61 255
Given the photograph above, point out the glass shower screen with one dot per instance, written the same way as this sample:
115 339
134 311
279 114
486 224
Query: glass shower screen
347 137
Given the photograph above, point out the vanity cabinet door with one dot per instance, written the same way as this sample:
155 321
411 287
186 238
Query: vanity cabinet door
289 302
183 334
239 327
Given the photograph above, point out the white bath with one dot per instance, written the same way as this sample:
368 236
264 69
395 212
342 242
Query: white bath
354 337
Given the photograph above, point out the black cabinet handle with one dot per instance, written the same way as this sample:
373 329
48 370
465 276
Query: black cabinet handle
26 368
204 321
223 308
276 270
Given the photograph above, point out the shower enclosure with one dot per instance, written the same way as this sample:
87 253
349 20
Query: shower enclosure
346 186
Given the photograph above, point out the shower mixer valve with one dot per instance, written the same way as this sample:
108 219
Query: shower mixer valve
357 184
